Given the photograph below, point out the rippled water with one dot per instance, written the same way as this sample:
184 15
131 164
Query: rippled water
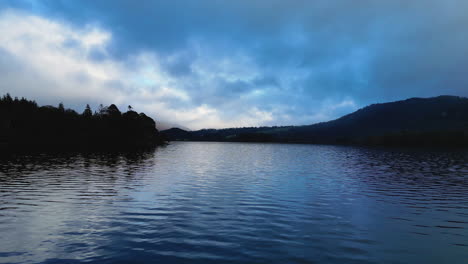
236 203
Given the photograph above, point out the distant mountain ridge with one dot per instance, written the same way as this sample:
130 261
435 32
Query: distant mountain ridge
441 120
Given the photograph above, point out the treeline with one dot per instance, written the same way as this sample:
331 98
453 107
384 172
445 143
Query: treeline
420 122
25 125
455 138
421 139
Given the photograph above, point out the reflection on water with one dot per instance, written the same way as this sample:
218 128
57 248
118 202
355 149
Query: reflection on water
236 203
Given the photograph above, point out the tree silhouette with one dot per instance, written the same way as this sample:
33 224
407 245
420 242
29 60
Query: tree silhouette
61 108
25 125
113 111
87 113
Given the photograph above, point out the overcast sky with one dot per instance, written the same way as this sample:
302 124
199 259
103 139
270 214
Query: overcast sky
213 64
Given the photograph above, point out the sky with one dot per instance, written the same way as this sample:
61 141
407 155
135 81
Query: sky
220 63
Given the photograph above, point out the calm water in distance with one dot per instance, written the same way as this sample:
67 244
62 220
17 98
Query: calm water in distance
236 203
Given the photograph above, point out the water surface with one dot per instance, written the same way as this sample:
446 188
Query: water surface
236 203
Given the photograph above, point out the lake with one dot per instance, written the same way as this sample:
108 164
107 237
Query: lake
193 202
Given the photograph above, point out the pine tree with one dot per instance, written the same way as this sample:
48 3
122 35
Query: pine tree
61 108
87 112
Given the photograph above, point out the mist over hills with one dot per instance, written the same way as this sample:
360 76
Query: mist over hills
441 120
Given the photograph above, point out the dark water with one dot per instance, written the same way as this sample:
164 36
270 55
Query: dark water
236 203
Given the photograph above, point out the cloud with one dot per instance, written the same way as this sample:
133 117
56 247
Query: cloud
47 64
51 62
216 63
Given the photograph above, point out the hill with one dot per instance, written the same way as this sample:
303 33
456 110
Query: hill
441 120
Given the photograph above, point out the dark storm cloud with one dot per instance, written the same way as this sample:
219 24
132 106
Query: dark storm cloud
305 57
